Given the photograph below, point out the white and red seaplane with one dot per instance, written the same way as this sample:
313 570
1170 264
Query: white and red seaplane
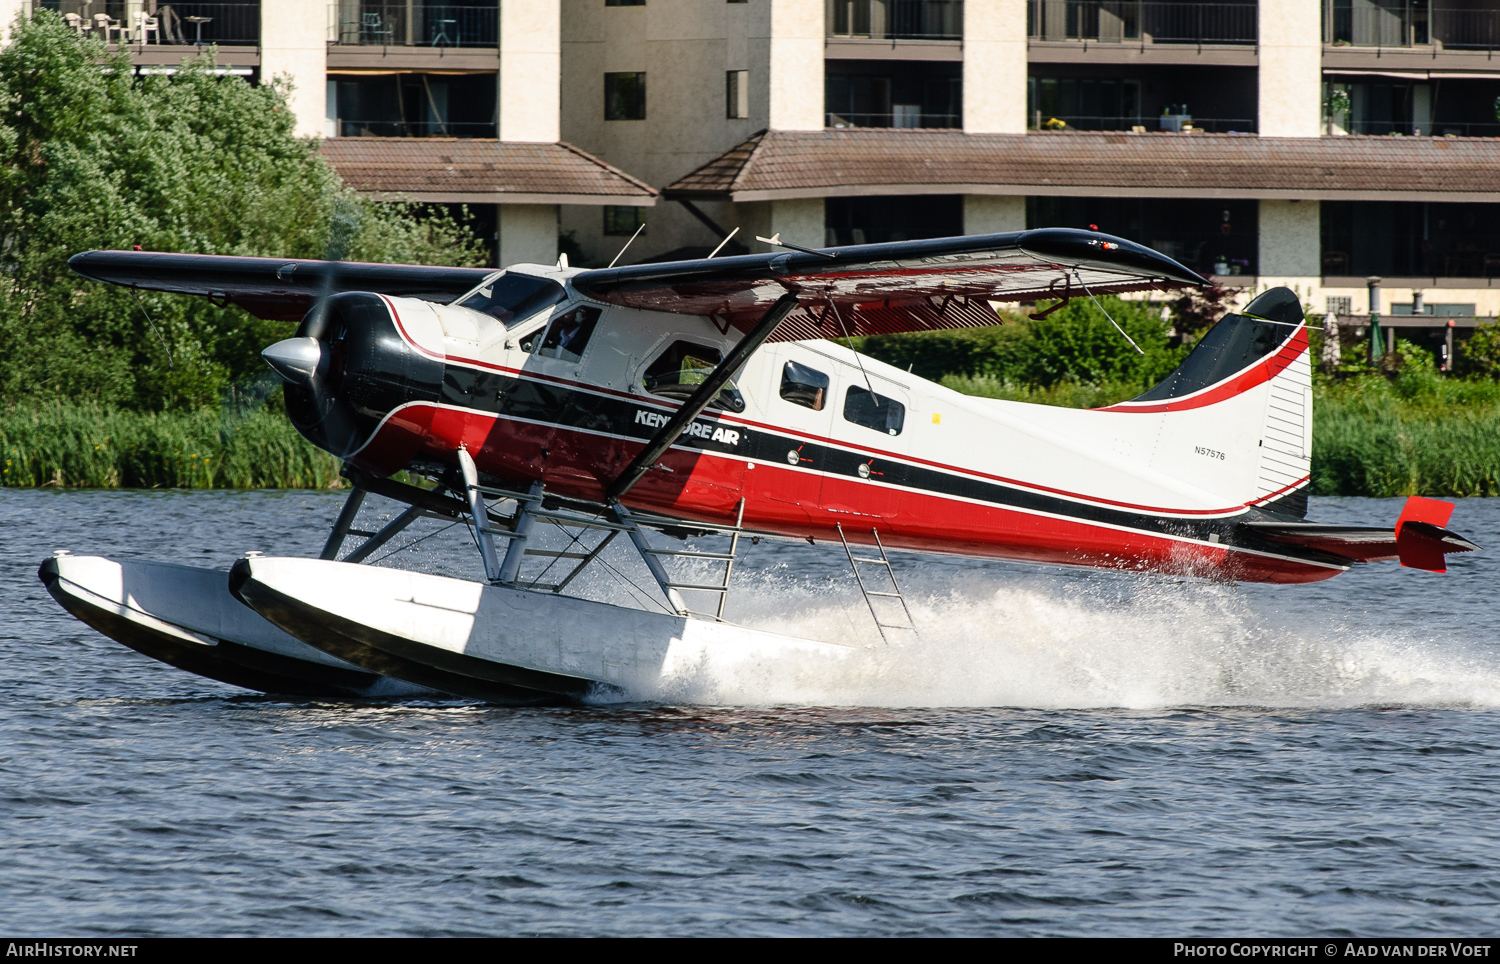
661 401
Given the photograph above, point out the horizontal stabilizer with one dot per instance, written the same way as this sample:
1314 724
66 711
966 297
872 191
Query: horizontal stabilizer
1418 538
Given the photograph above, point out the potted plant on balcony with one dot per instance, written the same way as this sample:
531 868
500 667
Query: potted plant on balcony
1336 109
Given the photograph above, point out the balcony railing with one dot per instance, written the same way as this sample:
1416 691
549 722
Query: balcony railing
125 22
390 127
907 119
1408 23
896 19
1142 21
1376 23
1171 123
1466 28
412 25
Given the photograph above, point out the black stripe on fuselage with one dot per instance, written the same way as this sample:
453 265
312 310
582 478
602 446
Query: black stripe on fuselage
508 396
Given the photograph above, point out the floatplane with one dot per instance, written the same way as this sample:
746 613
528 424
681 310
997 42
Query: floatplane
669 403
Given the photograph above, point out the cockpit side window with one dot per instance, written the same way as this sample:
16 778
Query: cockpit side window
804 386
678 371
566 337
874 411
511 297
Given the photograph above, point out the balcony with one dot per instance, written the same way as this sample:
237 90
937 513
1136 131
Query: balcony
413 24
895 19
181 24
1142 22
1410 23
1155 123
914 117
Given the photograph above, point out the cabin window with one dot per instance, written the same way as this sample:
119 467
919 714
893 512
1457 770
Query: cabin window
874 411
568 335
804 386
511 297
678 371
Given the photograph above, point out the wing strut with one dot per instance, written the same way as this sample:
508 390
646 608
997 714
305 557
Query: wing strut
700 398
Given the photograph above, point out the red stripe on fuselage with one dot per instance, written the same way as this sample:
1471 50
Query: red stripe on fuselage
1257 374
799 503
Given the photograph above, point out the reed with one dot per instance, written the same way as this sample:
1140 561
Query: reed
90 446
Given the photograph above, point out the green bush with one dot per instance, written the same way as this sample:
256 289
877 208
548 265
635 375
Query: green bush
92 156
1479 355
1076 343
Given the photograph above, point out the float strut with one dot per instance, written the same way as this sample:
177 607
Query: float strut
510 569
342 525
481 515
652 563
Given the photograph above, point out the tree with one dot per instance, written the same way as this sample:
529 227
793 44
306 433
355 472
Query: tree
92 156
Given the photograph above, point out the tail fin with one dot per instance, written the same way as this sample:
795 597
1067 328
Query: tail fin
1236 415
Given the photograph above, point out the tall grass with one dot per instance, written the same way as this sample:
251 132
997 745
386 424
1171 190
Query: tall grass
1419 435
85 445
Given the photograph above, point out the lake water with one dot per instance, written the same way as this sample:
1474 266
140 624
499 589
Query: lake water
1060 753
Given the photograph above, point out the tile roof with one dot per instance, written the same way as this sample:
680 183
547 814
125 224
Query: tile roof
789 164
474 170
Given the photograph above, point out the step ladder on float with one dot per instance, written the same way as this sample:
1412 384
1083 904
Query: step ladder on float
910 625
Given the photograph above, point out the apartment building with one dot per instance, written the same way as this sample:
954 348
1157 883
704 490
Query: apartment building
1314 143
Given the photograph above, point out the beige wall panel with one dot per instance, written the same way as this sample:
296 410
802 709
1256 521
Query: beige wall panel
1290 239
1291 58
796 65
9 11
685 48
530 70
528 234
995 67
993 213
294 45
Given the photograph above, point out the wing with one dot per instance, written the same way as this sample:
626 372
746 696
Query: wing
283 288
902 286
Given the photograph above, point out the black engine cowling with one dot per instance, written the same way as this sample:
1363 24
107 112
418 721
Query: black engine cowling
364 369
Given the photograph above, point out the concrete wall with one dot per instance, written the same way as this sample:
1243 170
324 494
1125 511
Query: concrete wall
995 66
527 233
686 48
796 38
530 79
800 221
1290 240
993 214
9 10
1291 58
294 44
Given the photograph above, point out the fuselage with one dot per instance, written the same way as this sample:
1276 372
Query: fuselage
814 440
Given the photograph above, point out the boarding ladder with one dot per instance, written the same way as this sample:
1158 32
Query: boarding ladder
871 595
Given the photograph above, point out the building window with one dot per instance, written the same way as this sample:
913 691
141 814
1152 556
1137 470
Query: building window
621 220
624 3
737 94
625 96
875 220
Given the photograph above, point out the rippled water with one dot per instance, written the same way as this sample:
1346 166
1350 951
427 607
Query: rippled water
1060 753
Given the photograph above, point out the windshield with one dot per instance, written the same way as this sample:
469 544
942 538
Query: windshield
512 297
